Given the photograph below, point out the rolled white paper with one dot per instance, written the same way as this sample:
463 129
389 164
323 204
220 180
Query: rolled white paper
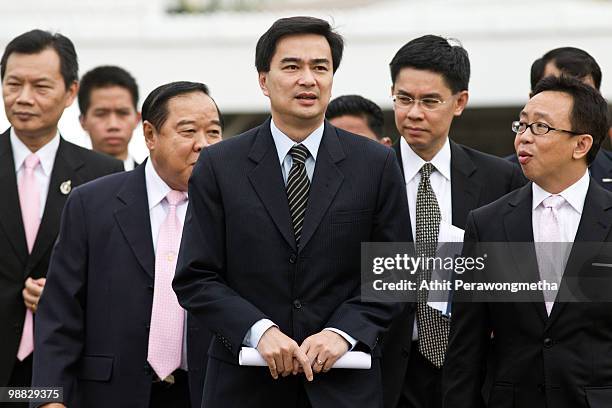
357 360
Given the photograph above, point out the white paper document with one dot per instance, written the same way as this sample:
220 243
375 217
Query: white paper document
358 360
448 233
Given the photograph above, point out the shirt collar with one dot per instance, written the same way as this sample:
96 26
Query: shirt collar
129 163
574 194
412 162
284 143
157 189
46 154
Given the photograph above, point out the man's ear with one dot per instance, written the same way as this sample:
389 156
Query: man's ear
82 122
461 103
72 92
263 83
386 141
584 143
150 135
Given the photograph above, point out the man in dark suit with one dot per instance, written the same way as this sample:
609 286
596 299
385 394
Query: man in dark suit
430 87
270 255
38 168
579 64
108 101
110 330
551 352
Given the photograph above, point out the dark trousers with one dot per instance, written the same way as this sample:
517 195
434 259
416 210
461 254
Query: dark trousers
164 395
422 385
20 377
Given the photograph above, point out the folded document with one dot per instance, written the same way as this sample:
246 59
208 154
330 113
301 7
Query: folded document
353 359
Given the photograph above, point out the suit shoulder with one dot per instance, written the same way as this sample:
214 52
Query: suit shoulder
500 206
354 142
105 185
488 161
97 160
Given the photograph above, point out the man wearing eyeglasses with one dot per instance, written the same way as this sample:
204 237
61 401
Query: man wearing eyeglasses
555 352
579 64
444 181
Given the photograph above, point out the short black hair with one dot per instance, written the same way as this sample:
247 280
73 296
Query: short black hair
570 61
103 77
36 41
155 106
589 115
357 105
266 45
436 54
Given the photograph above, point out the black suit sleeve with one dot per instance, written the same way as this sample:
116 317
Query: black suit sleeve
366 321
199 281
469 339
59 328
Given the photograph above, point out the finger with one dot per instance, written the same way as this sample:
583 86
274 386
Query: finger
272 367
296 367
280 367
304 363
40 281
28 297
288 361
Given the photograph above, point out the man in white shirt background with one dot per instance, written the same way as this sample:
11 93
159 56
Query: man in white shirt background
108 101
110 329
38 169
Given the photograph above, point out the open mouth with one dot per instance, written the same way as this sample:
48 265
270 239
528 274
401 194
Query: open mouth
306 96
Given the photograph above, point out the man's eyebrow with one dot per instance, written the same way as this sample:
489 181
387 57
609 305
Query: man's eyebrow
291 59
319 61
185 122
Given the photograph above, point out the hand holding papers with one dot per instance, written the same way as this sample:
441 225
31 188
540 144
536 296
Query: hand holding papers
353 359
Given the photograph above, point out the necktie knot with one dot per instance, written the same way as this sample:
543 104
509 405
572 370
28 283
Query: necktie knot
553 202
175 197
31 161
426 170
299 153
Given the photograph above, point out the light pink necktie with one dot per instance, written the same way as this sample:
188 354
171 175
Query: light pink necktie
167 316
551 251
29 200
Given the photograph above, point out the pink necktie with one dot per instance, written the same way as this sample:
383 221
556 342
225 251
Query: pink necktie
167 316
29 200
551 251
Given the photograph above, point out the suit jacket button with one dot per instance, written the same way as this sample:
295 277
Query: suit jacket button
297 304
548 342
292 258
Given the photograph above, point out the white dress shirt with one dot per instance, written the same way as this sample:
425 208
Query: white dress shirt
440 181
129 163
46 155
283 144
570 211
157 190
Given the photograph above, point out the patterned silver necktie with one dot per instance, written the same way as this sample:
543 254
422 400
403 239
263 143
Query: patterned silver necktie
298 187
433 328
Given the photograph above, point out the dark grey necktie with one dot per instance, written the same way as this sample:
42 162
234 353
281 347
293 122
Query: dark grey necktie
432 326
298 186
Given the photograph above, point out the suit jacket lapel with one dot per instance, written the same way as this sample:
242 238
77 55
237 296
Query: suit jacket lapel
326 181
132 216
10 210
65 168
464 190
267 180
519 233
593 229
398 154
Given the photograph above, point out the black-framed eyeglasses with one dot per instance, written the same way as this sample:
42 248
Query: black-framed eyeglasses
405 101
537 128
